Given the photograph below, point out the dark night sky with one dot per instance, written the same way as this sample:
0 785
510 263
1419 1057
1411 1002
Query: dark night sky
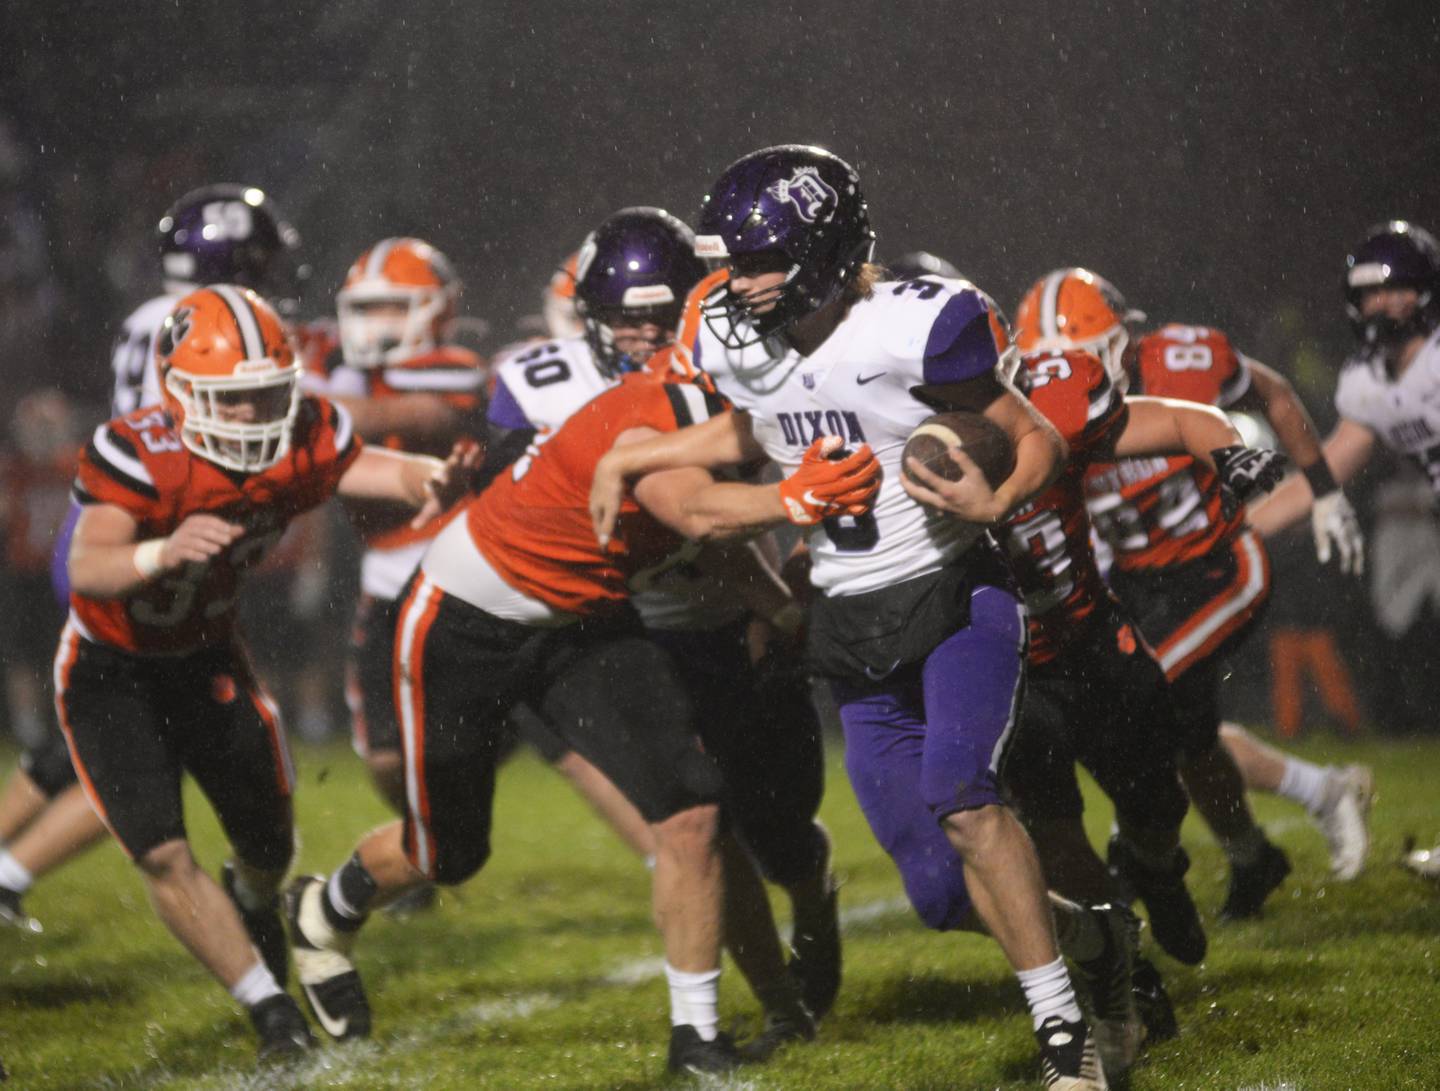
1215 161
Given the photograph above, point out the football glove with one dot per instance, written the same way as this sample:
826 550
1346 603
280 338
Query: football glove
1334 524
1245 473
830 482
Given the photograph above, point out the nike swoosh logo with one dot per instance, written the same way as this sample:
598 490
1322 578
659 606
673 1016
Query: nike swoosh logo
336 1028
810 498
861 380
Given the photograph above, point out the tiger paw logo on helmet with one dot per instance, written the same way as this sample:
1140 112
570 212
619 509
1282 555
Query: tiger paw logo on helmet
808 192
174 330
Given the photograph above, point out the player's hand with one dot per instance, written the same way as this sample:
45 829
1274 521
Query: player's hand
607 493
1334 524
1246 473
450 481
199 538
825 486
971 498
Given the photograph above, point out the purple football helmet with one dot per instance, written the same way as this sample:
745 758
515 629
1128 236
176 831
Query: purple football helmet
635 268
922 263
795 201
230 234
1397 254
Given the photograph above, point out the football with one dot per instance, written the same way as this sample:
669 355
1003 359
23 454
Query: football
980 438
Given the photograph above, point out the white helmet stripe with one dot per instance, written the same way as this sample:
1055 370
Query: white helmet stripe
379 254
1050 303
245 320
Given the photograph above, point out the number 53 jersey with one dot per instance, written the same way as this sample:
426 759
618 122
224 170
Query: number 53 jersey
138 464
858 385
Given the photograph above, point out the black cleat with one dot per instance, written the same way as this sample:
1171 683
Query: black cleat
1068 1060
1252 884
1174 920
691 1053
1153 1002
1115 1023
281 1027
796 1025
322 963
266 929
13 915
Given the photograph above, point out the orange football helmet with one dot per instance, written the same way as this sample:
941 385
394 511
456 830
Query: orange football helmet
1075 308
228 377
398 302
558 308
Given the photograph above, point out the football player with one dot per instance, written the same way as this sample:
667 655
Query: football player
180 499
1194 577
515 600
915 623
1386 393
1095 692
408 388
635 271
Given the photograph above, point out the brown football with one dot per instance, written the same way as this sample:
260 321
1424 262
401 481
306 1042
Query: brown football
980 438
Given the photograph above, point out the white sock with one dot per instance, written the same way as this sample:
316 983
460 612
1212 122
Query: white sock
1304 783
13 874
1048 992
258 984
695 1000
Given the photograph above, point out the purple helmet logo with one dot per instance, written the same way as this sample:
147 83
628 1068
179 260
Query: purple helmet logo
791 200
811 195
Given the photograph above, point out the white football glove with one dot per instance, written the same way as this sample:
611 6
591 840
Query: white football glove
1333 522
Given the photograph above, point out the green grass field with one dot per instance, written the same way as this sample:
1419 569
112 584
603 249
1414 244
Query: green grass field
543 972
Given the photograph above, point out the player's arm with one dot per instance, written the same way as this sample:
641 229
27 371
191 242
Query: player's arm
745 569
1040 452
726 439
1156 426
107 562
1271 394
1332 518
427 484
695 505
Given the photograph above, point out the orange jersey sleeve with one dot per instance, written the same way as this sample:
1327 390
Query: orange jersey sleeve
1195 363
533 522
682 358
137 463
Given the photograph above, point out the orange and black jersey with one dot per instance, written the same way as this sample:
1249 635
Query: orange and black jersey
138 464
1159 511
1048 539
533 523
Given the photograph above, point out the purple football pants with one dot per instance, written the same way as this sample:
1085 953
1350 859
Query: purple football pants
928 742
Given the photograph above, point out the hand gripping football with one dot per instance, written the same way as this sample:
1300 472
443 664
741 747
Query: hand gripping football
984 441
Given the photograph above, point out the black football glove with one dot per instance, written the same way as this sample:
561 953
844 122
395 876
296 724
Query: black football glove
1245 473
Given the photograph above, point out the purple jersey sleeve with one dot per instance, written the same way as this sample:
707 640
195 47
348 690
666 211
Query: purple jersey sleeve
60 559
505 411
961 344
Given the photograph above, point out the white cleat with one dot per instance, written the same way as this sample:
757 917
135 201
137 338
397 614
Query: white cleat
1345 819
1424 862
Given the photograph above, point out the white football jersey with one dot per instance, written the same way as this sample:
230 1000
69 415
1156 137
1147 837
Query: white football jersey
857 386
137 382
549 381
1403 413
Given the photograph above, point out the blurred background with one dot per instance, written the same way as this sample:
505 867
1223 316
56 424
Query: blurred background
1214 161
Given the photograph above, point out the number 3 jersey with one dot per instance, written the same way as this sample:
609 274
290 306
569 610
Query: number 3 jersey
138 464
1405 412
1158 511
1048 539
858 385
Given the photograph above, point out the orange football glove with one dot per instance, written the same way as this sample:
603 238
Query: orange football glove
825 485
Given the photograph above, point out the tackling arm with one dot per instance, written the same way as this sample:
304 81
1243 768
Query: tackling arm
1162 426
420 481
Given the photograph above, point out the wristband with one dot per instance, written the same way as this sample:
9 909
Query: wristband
146 557
1322 481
